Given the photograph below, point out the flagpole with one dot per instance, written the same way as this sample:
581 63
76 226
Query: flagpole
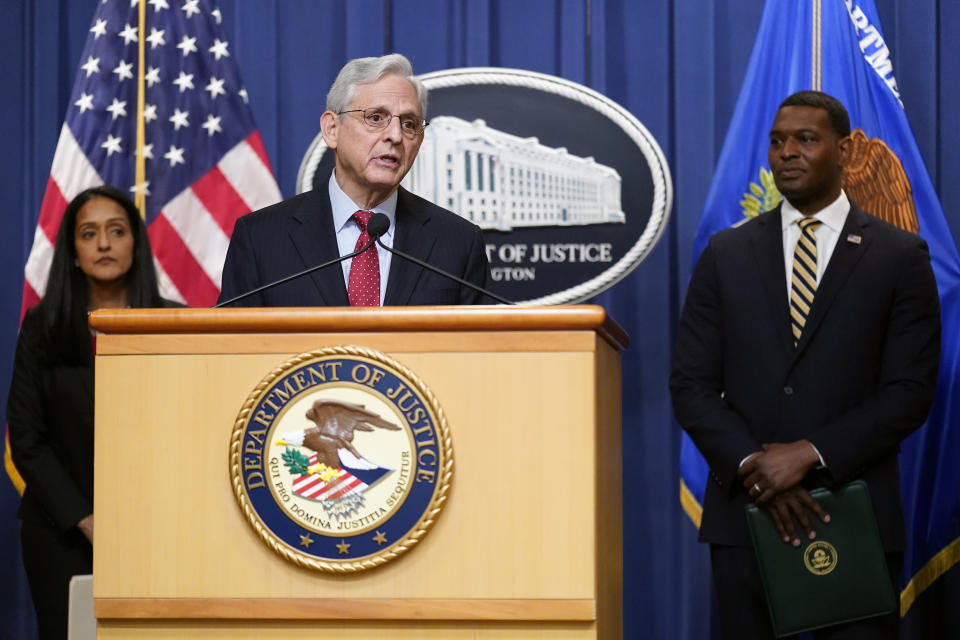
140 189
815 66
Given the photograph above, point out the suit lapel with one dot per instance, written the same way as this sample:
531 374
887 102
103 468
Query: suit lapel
845 257
413 236
315 239
768 249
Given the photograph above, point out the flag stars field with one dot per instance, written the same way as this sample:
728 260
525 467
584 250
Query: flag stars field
175 156
91 66
124 71
112 145
215 87
180 119
188 45
212 125
118 108
85 102
152 76
219 49
204 168
190 8
99 29
142 187
156 38
129 34
184 81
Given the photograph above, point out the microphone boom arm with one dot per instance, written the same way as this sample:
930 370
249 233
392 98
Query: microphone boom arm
434 269
295 275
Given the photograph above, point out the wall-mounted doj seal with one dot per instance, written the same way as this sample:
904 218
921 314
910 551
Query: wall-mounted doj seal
341 459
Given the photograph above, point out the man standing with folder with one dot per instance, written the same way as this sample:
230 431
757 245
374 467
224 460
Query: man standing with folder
807 350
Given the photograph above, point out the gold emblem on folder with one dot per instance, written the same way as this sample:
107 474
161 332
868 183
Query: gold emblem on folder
820 558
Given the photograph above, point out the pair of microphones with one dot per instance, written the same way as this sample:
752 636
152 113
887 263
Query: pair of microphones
376 227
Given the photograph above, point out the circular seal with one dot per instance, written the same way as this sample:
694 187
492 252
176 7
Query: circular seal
571 191
341 459
820 558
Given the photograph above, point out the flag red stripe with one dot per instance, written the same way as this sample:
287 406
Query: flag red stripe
220 199
51 211
30 298
345 488
304 483
256 143
177 260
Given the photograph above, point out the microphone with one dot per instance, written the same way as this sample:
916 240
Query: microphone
374 229
379 223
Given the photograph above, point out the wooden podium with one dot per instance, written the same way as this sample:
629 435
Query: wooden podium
528 544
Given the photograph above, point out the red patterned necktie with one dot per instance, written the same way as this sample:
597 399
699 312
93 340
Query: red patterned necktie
363 290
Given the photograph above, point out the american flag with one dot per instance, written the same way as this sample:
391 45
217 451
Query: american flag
205 161
348 482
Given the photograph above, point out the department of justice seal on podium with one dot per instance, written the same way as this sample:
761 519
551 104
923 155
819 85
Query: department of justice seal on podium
341 459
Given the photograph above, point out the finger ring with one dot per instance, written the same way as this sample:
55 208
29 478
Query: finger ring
756 487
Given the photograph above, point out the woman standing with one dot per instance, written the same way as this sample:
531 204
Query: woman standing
101 260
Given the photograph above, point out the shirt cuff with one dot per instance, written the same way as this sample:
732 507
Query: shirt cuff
823 464
744 461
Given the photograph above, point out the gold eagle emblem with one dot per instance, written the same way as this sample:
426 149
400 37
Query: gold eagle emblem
874 178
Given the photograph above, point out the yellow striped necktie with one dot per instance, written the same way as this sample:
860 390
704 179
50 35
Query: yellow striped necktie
803 282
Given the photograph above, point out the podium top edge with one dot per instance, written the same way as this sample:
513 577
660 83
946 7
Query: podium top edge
347 319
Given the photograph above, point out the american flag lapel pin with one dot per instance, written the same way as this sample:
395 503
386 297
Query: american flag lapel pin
853 238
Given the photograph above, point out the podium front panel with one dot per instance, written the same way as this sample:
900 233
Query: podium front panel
527 543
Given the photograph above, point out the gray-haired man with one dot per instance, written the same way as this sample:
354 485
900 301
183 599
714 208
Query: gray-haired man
374 124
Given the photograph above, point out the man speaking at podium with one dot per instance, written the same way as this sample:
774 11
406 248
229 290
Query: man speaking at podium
374 124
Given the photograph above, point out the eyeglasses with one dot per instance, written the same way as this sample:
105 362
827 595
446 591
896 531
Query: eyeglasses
378 119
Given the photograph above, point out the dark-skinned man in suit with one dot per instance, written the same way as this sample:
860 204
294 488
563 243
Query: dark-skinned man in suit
788 377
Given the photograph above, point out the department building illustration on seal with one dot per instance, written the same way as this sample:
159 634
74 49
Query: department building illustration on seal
501 181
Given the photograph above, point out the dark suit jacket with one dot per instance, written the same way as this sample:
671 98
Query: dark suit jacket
50 416
298 233
861 379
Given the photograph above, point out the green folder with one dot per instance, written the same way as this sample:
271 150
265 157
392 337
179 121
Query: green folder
838 577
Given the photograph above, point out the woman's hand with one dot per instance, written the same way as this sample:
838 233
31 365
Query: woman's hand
86 525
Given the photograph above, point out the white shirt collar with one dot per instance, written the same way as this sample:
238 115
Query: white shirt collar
834 215
343 207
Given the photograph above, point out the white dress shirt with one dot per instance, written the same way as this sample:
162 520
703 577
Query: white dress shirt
348 232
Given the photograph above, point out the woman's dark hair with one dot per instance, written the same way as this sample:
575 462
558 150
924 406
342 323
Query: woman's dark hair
64 305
